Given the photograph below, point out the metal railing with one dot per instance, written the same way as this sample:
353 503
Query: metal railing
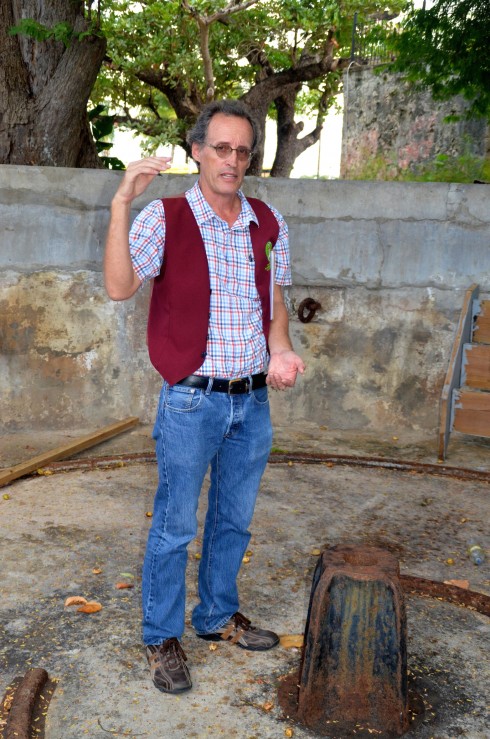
369 44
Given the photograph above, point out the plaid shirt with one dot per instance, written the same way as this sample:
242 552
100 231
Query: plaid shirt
236 345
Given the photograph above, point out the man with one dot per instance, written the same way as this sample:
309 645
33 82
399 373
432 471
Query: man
218 262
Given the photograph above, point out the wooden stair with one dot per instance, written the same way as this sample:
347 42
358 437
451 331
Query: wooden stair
465 400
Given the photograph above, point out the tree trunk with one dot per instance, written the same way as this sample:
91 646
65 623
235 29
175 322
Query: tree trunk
281 89
260 114
45 87
289 145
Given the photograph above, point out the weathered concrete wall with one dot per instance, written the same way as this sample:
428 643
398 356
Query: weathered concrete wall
384 118
389 263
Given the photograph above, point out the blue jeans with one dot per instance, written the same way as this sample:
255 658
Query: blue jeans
194 429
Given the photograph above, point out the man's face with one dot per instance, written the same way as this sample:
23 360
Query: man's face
223 176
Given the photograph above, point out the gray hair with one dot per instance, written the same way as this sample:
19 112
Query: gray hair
199 131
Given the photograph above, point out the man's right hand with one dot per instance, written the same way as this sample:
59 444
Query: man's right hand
138 176
121 280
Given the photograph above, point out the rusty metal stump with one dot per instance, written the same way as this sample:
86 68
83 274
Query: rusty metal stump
354 667
20 715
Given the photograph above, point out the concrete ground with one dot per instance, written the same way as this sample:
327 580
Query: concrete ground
58 529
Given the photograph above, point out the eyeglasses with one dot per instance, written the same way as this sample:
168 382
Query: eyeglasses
224 151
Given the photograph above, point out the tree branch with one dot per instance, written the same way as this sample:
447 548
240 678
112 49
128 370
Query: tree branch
204 22
231 8
186 106
271 87
206 58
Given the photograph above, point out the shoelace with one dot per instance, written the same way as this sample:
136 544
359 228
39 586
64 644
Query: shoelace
241 621
173 645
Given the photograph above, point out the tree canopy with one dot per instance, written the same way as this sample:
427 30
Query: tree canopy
446 48
158 62
167 58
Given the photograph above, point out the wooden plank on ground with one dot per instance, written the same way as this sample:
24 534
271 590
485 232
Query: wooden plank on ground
77 445
472 412
476 364
481 331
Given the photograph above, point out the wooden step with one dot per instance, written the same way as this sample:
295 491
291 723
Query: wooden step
472 412
481 330
476 366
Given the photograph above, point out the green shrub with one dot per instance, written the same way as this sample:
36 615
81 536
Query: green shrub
444 168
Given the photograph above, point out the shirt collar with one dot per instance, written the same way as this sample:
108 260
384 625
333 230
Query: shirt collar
203 211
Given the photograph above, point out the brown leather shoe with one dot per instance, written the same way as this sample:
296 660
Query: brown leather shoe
239 630
168 668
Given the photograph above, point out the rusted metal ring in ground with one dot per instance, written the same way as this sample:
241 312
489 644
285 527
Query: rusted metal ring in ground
397 465
26 695
450 593
309 305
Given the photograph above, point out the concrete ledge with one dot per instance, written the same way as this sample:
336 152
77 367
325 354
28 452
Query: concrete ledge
351 233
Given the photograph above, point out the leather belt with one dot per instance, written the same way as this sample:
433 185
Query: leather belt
232 387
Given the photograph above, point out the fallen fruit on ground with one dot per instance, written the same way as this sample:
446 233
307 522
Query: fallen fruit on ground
90 607
458 583
291 640
75 600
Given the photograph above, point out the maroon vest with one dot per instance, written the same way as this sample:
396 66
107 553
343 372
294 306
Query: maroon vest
179 308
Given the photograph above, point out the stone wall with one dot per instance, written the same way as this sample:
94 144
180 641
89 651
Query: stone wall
389 263
385 119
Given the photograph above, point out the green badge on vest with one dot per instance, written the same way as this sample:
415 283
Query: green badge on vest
268 249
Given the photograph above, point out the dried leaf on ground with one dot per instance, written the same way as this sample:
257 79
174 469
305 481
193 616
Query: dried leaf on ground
124 585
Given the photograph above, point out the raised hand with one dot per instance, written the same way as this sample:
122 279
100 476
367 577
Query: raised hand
138 176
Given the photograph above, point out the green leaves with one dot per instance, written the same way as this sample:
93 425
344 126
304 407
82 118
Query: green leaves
102 126
156 60
39 32
445 48
62 31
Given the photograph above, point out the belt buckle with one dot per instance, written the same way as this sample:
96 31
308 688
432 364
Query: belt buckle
231 383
